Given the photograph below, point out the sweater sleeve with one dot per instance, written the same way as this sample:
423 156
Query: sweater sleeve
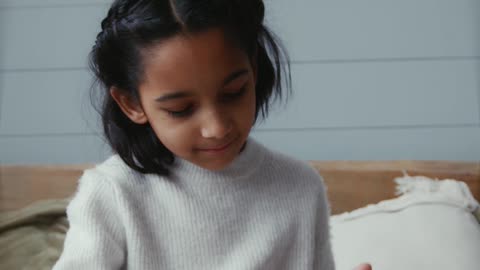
95 239
323 250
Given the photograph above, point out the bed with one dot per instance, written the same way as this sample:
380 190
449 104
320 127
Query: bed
384 212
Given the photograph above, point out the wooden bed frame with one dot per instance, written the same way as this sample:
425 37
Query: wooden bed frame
351 184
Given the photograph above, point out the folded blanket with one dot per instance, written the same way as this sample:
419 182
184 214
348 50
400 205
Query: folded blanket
32 237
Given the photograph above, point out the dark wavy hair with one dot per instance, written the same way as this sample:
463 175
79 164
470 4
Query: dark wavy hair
135 25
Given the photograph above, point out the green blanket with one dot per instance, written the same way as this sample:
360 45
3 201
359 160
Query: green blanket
32 237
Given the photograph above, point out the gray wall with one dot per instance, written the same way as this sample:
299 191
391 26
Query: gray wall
373 79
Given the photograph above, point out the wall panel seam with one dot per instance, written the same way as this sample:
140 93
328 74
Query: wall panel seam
350 128
46 6
293 62
386 60
347 128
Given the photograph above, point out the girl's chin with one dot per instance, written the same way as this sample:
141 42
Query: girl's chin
217 165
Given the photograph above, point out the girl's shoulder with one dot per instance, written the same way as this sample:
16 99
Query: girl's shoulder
288 161
114 179
113 171
295 174
282 163
112 167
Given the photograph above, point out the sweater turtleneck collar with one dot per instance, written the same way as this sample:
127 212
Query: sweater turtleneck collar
244 165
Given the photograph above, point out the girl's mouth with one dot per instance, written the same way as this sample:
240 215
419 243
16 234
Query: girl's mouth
217 149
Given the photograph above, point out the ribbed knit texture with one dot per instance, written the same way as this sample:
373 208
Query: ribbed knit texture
264 211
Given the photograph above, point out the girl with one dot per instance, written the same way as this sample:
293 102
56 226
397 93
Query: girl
187 188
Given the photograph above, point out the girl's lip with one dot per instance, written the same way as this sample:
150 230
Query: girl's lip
217 149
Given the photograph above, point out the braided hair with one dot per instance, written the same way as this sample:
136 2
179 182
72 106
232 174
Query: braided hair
132 26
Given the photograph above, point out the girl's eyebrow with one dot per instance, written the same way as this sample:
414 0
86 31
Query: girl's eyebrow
183 94
171 96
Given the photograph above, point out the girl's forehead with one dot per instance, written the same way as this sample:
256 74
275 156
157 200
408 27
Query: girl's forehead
186 60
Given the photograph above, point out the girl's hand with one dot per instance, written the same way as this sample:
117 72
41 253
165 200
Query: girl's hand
364 266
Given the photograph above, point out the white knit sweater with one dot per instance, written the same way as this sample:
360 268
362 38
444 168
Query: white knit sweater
264 211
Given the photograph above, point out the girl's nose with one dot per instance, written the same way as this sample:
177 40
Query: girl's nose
216 126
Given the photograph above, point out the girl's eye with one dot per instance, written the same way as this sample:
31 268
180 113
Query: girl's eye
235 95
181 113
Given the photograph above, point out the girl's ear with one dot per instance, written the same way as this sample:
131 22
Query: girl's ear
130 107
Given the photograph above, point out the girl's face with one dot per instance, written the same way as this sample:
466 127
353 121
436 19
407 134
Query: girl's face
198 95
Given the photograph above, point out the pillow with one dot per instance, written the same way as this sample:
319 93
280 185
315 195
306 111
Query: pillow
432 225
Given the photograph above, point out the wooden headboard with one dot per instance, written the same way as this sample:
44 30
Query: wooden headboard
354 184
351 184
